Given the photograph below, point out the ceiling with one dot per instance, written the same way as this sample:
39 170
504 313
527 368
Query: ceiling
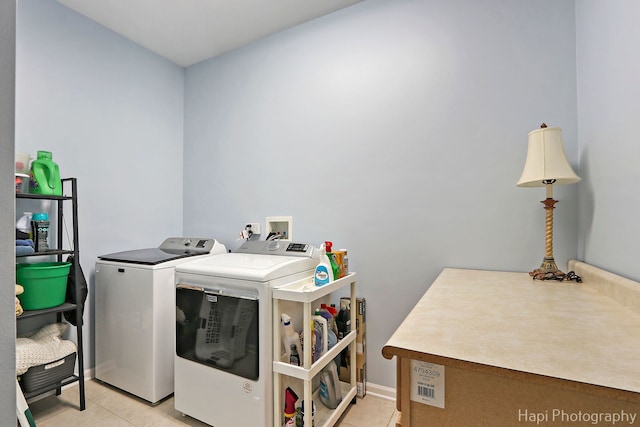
189 31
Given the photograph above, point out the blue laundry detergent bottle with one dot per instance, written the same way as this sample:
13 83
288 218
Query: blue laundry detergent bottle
324 272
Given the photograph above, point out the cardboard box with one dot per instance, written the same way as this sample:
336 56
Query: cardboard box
361 374
361 348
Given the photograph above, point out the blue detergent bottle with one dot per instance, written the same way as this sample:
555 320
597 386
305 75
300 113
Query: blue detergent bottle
324 272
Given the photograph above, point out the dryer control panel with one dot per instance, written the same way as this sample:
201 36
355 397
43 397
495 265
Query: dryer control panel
195 244
278 247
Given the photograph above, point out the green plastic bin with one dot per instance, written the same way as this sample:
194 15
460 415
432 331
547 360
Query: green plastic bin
44 283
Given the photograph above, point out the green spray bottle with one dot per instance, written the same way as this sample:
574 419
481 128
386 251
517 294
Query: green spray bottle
332 259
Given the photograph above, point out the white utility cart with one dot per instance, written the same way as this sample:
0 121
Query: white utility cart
302 296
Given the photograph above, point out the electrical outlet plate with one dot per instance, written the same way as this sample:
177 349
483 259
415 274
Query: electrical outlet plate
253 226
279 224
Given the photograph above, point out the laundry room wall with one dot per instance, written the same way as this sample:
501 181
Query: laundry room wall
396 129
608 89
110 111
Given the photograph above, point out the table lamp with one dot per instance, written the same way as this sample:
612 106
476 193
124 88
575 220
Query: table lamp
547 165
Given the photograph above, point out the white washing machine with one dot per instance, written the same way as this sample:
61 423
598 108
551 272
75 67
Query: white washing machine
223 365
135 314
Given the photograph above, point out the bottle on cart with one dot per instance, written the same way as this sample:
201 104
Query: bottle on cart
291 338
294 358
290 399
324 270
300 415
332 330
345 262
332 309
330 392
330 313
321 343
332 260
343 322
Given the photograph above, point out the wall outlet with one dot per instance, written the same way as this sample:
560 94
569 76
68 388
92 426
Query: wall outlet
254 227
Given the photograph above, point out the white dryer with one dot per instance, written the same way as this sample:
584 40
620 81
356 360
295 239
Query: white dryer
135 314
223 365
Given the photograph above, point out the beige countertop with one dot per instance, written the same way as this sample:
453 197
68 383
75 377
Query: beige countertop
564 330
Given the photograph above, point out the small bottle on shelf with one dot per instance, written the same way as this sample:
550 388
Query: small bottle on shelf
324 271
294 358
291 338
40 227
332 260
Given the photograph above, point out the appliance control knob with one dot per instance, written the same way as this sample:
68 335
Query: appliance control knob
187 242
273 245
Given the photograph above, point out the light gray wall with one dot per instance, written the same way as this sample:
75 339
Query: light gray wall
423 106
111 113
397 129
608 93
7 251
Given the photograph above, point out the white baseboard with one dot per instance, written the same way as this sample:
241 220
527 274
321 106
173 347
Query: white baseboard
89 373
381 391
375 390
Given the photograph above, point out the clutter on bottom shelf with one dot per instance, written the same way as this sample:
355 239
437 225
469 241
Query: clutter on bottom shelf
43 358
290 399
295 417
42 347
330 391
300 414
46 375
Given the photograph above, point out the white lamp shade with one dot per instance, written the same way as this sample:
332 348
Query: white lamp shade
546 160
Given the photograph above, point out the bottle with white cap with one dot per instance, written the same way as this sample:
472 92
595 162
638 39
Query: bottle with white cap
290 339
324 271
24 224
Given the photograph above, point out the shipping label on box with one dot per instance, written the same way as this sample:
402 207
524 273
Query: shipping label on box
427 383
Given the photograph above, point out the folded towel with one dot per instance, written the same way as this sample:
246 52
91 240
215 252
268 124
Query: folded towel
24 250
24 242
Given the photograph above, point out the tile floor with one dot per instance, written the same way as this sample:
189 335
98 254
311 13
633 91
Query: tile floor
107 406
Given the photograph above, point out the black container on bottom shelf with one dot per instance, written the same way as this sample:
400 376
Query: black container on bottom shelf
48 374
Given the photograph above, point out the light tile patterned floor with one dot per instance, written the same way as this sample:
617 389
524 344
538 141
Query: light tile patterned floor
107 406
